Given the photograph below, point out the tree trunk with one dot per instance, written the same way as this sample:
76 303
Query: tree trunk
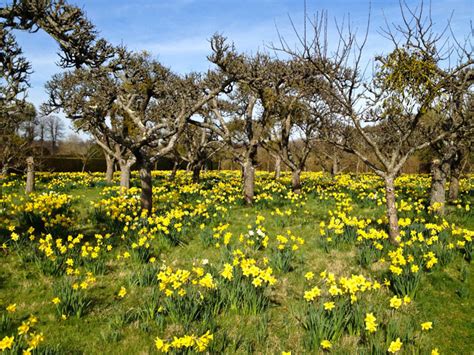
334 167
454 187
439 174
454 178
196 173
174 171
125 167
109 174
146 184
393 230
296 181
30 175
42 141
277 167
5 169
249 181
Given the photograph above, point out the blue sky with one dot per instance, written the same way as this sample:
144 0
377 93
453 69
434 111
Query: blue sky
177 31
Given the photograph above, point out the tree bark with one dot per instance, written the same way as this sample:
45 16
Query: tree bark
393 229
453 187
335 166
146 197
439 174
277 167
174 171
125 168
5 169
109 174
248 181
196 173
296 181
30 175
454 178
42 141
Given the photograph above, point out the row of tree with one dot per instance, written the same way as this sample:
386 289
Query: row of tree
417 96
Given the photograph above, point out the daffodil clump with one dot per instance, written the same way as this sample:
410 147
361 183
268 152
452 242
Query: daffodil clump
173 283
341 227
71 297
68 181
256 237
51 212
284 253
353 306
371 244
334 307
26 338
404 273
121 214
245 285
189 295
7 209
283 217
117 211
185 343
56 256
220 236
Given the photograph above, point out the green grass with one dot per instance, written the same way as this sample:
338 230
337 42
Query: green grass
112 326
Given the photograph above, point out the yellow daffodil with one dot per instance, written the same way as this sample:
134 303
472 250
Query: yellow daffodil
427 325
395 346
122 293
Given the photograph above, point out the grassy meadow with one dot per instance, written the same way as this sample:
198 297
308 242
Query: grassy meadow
84 272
